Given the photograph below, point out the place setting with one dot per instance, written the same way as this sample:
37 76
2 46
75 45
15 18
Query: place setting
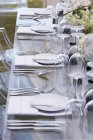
41 30
43 60
42 105
27 14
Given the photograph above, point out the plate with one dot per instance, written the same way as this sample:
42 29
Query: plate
41 29
49 108
43 13
50 102
47 59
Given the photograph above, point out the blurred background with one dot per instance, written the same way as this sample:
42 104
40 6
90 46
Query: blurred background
8 13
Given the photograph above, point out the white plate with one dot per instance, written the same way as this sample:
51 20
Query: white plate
43 13
50 102
49 108
41 29
47 59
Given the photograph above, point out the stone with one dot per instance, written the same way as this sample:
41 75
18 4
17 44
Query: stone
86 47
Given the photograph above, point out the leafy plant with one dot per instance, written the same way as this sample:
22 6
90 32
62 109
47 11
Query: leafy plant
82 15
35 3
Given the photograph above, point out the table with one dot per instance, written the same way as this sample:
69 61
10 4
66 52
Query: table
74 128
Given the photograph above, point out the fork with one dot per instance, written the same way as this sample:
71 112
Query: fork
27 91
28 72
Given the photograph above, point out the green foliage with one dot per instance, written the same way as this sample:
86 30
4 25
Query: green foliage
35 3
82 15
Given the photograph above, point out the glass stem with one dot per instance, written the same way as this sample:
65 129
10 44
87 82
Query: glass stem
76 88
62 45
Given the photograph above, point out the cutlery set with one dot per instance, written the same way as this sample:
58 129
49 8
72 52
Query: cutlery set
34 128
30 71
32 124
28 91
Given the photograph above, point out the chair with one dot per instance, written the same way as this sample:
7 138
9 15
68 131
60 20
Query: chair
6 52
12 3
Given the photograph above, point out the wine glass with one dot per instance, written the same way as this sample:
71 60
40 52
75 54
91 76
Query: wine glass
77 36
73 49
76 29
59 10
76 72
50 8
53 12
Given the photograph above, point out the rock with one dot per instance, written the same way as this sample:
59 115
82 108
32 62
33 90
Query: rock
86 47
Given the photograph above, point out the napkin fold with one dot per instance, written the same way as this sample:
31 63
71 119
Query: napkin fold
30 31
47 59
22 105
29 61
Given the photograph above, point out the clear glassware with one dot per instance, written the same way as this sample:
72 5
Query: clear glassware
55 28
59 9
65 42
88 108
73 49
76 29
77 36
89 75
61 76
63 22
50 8
54 15
76 72
53 12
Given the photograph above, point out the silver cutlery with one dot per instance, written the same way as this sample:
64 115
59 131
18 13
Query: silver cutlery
28 72
24 53
27 92
29 17
24 69
23 92
34 128
20 89
16 92
34 124
38 121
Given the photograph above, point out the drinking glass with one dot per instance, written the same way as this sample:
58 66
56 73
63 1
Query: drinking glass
59 10
76 72
65 42
76 29
77 36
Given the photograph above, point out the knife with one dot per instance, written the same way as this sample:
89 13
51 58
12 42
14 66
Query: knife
34 128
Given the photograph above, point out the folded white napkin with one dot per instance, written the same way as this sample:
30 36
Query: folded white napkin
22 105
32 31
27 12
28 60
26 30
47 58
